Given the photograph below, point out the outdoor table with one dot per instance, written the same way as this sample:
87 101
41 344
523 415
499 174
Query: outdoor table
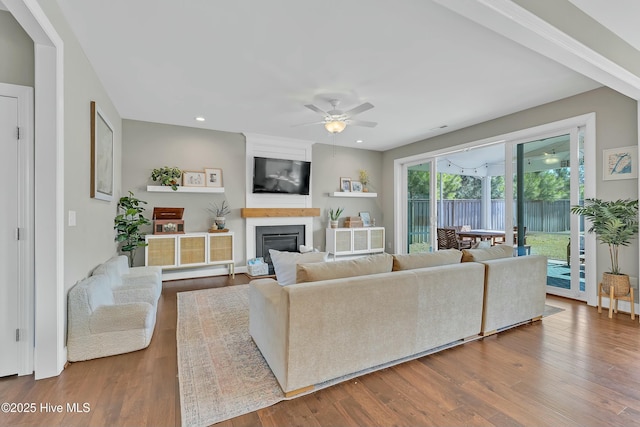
482 235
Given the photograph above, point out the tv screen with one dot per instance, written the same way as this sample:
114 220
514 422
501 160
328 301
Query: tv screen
281 176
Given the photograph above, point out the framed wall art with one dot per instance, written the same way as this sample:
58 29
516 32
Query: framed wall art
620 163
193 179
366 219
101 155
213 177
345 184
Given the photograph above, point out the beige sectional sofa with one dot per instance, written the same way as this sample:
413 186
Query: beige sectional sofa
322 329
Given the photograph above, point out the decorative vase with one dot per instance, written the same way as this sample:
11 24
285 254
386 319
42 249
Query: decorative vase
333 223
620 283
220 221
365 190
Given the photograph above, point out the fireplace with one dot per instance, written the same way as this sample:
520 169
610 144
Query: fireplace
285 238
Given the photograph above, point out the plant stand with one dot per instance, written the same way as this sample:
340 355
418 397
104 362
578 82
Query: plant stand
613 300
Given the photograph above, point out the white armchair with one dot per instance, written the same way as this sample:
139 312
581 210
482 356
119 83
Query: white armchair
99 325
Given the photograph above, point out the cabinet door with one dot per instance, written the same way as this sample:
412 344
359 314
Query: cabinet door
377 239
220 248
193 250
343 241
360 240
161 251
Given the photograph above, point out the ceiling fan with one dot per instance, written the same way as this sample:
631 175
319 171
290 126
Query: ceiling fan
335 121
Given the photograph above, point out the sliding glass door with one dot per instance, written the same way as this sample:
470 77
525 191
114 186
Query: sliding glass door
528 197
548 178
419 233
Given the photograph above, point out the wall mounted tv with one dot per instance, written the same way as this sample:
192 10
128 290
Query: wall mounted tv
281 176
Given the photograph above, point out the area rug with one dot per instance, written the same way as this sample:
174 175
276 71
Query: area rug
221 372
550 310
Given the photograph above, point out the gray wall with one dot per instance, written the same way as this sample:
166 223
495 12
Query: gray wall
152 145
328 165
92 240
16 53
616 126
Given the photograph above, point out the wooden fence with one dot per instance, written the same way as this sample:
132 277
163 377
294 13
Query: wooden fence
541 216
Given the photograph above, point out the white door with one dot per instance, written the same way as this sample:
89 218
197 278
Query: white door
8 237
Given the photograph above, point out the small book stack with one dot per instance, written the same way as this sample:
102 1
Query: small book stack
353 222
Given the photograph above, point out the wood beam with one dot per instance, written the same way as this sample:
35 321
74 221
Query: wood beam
278 212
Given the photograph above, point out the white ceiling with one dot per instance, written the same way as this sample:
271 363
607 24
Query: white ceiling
250 66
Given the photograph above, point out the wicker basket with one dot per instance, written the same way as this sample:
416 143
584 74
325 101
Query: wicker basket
620 283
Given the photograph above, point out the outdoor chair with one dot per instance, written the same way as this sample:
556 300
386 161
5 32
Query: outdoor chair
448 239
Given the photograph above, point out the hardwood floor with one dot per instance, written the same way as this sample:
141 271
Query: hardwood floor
574 368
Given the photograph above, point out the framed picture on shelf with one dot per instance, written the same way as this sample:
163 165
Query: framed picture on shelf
620 163
345 184
213 177
101 155
356 186
193 179
366 219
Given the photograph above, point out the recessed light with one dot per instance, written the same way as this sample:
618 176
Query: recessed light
200 119
359 141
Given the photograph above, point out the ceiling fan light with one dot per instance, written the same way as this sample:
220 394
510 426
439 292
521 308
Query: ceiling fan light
335 126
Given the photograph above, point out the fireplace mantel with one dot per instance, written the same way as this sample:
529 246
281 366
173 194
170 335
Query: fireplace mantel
278 212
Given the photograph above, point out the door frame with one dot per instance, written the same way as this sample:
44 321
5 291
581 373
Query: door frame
49 354
25 183
588 121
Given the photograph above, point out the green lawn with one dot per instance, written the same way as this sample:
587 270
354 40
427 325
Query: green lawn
553 245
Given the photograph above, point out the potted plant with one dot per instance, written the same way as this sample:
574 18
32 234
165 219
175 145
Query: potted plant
615 224
167 176
127 225
334 216
219 213
364 179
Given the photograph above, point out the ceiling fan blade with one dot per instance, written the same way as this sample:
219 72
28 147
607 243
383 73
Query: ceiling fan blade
362 123
308 124
316 109
359 109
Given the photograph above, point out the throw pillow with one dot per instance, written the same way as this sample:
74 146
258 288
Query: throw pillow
482 244
372 264
284 263
494 252
430 259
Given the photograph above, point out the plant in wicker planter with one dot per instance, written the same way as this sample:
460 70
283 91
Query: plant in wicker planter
615 224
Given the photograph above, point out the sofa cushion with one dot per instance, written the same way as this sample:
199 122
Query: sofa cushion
99 291
372 264
422 260
284 263
494 252
111 269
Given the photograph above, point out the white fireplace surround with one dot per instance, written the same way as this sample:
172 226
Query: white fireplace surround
281 148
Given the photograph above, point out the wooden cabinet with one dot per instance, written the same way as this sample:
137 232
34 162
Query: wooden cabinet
355 241
190 250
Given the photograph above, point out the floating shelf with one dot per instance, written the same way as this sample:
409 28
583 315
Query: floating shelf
351 194
181 189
